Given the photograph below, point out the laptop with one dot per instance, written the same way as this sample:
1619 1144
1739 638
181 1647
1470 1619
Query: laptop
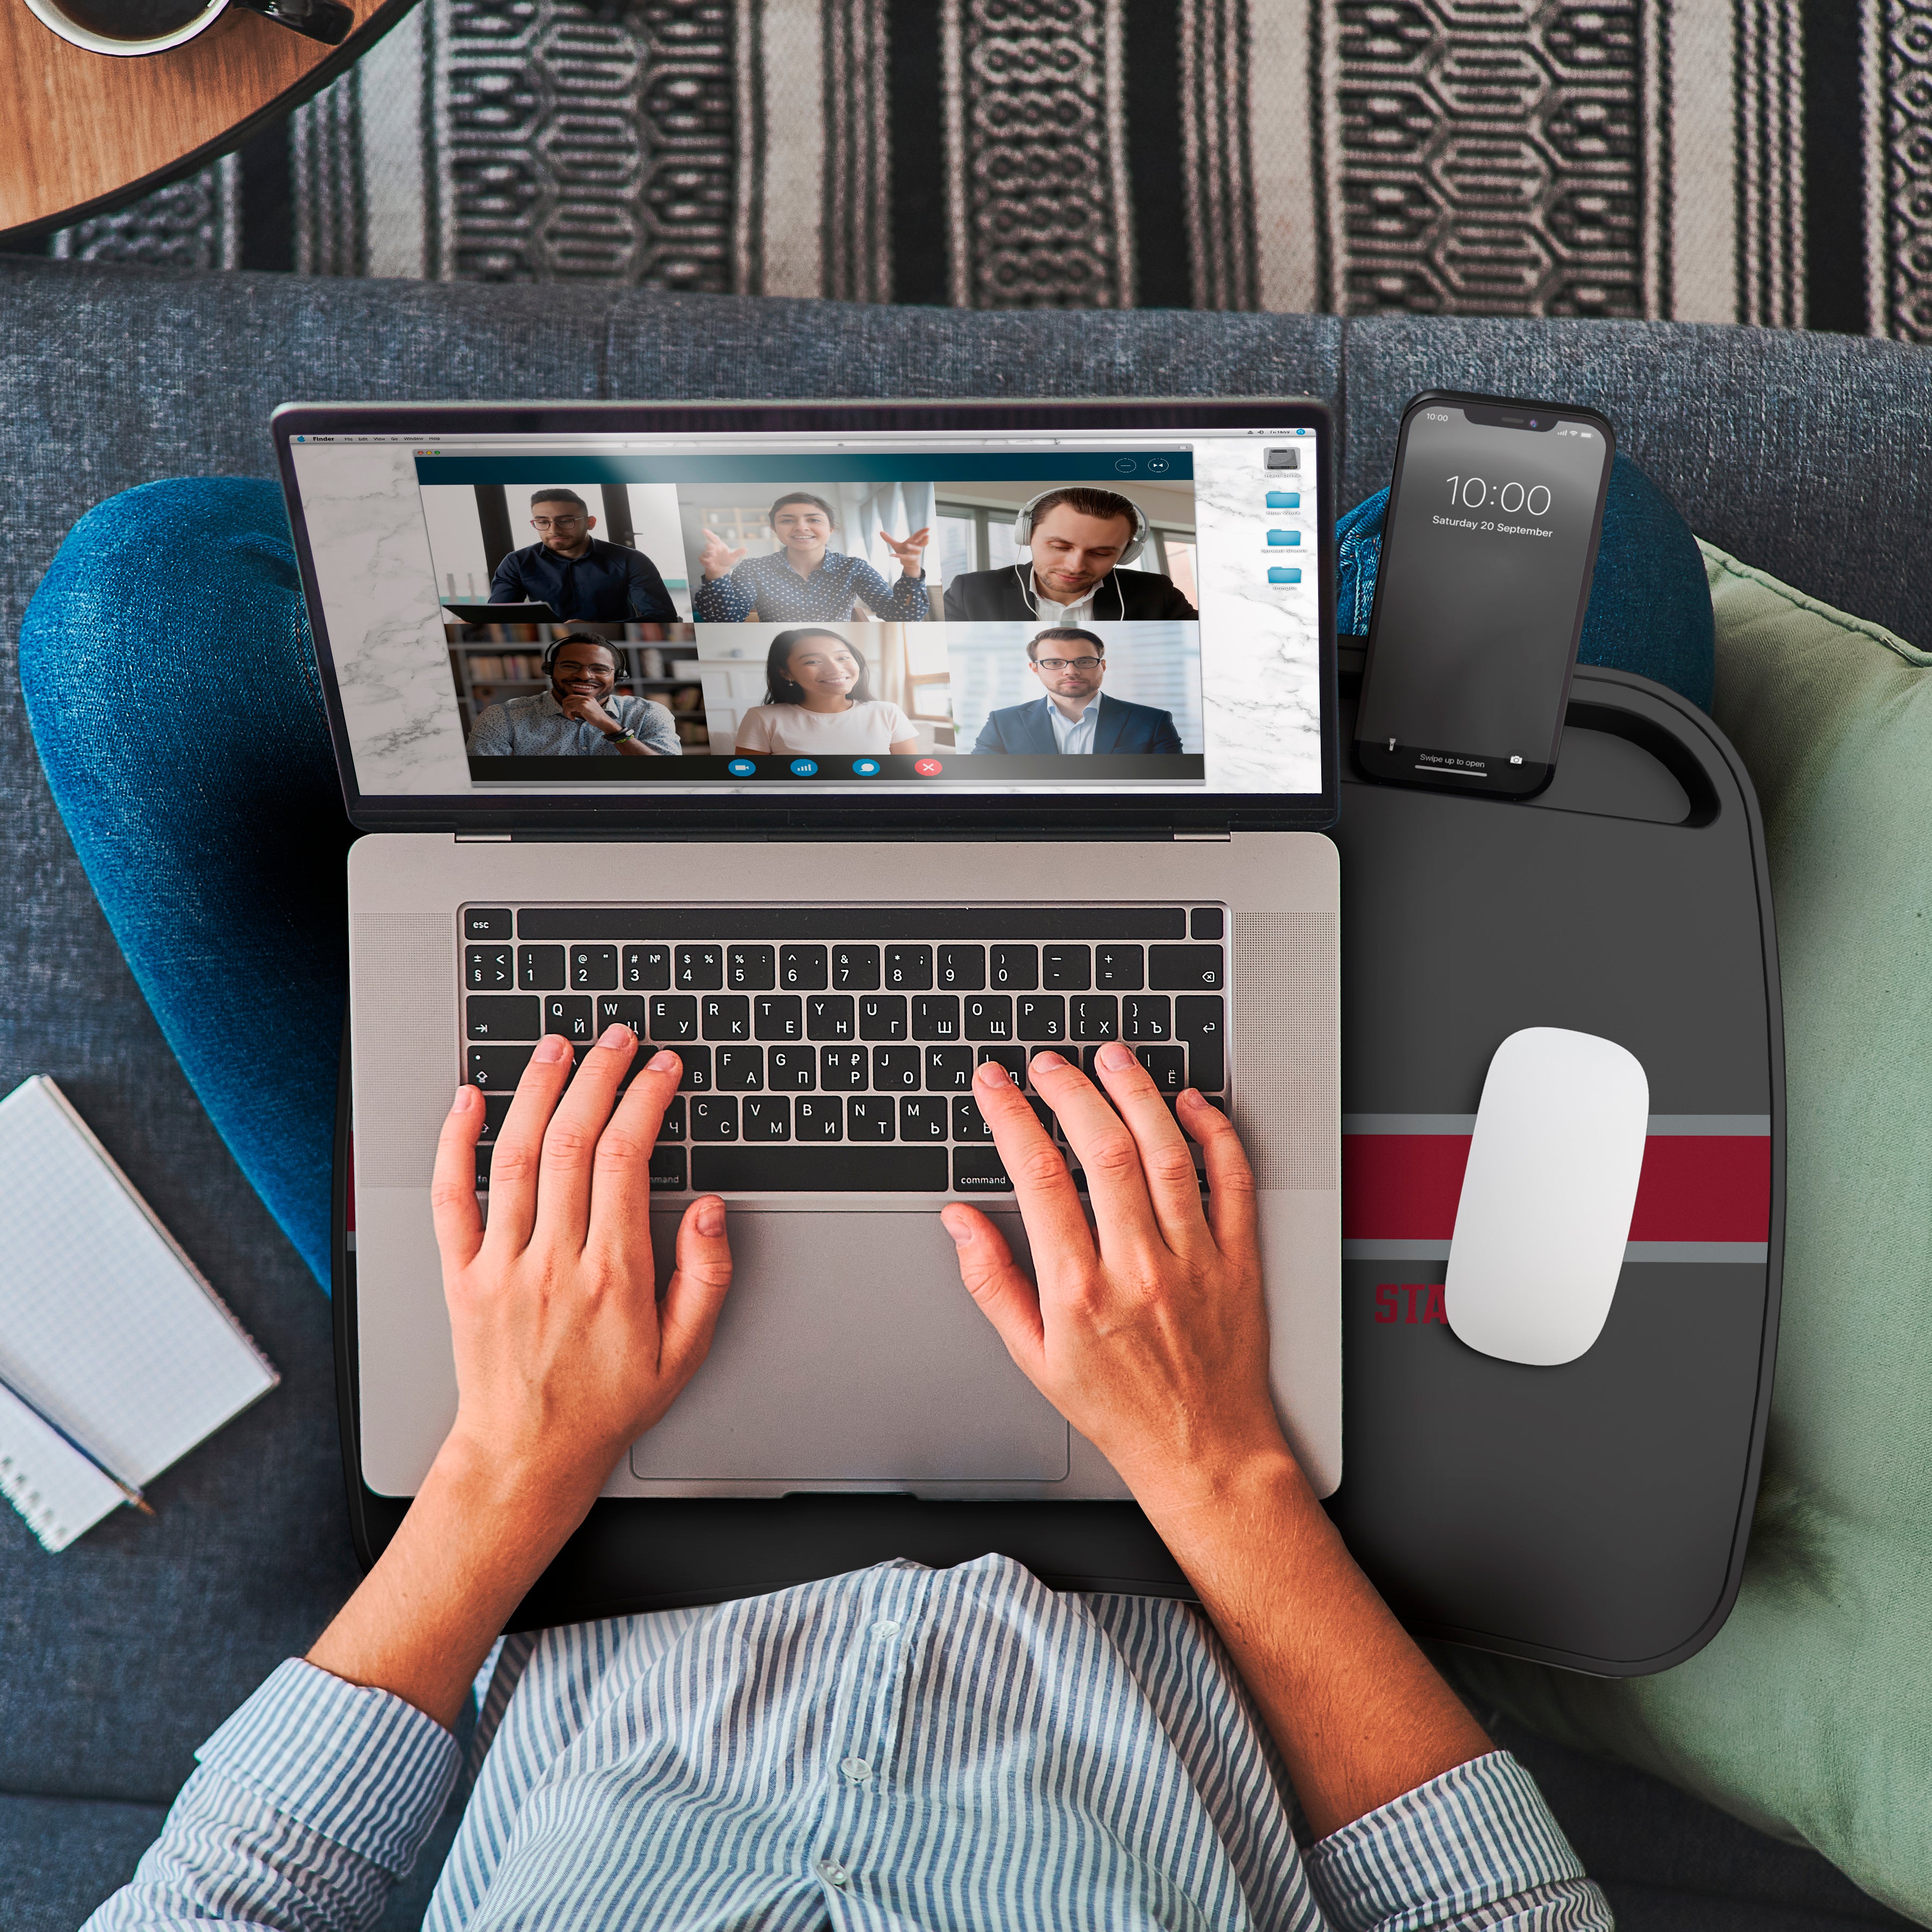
873 740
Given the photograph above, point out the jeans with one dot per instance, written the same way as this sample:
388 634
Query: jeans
175 701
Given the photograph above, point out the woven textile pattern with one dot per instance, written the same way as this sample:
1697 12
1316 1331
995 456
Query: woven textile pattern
1751 161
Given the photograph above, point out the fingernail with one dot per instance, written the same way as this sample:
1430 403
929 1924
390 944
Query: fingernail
616 1035
664 1062
1115 1058
460 1105
992 1074
711 1218
552 1048
961 1235
1051 1060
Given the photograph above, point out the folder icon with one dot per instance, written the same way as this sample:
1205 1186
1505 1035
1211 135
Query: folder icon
1284 499
1284 539
1281 574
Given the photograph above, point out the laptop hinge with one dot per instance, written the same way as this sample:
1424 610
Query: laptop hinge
483 839
1180 838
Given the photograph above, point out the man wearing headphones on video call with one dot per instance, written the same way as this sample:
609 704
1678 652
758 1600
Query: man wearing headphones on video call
1079 538
578 714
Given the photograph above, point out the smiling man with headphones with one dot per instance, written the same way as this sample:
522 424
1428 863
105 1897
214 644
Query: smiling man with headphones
579 713
1079 539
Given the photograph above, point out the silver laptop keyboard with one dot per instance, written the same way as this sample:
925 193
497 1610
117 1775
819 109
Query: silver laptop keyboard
831 1049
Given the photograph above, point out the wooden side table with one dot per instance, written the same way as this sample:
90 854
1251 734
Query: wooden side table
82 133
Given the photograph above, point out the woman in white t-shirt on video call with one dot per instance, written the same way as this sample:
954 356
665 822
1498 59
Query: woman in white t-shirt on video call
816 701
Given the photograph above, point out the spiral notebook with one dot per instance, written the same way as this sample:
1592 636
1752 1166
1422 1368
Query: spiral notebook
116 1357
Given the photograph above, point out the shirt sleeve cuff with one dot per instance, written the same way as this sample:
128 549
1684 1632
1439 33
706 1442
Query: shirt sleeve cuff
1477 1834
359 1766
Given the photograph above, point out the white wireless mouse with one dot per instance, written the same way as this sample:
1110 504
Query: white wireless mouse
1547 1196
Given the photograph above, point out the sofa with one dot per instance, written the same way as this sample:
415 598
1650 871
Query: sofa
1798 454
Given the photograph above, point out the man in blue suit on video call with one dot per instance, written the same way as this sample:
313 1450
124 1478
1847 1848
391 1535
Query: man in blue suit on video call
1074 715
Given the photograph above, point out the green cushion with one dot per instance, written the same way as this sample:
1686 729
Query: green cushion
1810 1714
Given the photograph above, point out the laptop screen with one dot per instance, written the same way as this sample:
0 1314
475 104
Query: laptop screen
508 614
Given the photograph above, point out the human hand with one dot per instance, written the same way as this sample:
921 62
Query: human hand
717 558
564 1355
911 554
1147 1332
579 704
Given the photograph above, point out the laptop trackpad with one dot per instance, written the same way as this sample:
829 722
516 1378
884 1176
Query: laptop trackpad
849 1351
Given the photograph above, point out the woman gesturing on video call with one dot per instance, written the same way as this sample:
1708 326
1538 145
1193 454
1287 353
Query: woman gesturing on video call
817 702
804 581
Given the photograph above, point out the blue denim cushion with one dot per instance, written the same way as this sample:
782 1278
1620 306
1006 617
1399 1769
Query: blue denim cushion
1650 604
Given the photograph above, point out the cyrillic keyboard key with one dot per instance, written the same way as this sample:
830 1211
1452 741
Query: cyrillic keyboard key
1012 1058
570 1015
949 1070
882 1016
490 969
935 1016
739 1069
504 1016
1184 969
1168 1064
712 1117
979 1170
699 969
725 1016
844 1067
1146 1016
540 968
821 1117
819 1170
829 1016
1118 968
671 1127
922 1117
751 969
855 969
895 1069
487 922
1200 1021
968 1123
869 1117
1041 1016
1015 968
674 1018
696 1077
766 1116
1065 969
908 969
667 1170
801 968
792 1070
989 1016
593 969
496 1070
646 969
1093 1016
778 1016
963 968
622 1009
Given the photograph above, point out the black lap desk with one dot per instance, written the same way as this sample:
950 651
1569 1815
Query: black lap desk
1594 1516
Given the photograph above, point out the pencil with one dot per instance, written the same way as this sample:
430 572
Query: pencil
128 1489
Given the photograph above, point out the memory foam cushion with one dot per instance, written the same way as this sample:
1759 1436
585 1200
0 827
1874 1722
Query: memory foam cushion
1649 612
1810 1714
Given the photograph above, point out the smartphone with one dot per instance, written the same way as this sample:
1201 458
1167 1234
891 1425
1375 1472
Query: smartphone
1494 515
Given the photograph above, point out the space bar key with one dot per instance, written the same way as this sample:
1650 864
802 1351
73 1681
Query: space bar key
818 1170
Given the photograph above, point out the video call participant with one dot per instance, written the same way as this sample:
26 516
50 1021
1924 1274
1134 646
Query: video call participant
804 582
1079 539
817 704
578 575
579 715
1075 716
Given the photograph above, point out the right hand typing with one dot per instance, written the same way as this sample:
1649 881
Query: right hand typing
1147 1332
717 558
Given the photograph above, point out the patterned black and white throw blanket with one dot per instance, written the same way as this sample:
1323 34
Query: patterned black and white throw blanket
1754 161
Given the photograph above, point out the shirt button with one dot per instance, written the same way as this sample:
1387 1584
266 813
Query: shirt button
885 1627
832 1871
857 1769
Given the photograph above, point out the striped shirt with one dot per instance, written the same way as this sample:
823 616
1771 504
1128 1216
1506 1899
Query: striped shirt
898 1748
770 586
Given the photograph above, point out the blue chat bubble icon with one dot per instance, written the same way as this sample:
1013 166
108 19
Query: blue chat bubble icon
866 768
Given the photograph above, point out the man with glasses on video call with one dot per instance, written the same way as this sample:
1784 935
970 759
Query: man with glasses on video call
1074 715
579 576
